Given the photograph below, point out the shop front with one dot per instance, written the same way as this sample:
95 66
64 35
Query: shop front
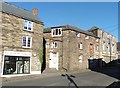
16 63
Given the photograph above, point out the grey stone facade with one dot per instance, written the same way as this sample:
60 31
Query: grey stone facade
12 41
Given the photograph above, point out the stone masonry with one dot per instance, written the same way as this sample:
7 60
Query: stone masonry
12 32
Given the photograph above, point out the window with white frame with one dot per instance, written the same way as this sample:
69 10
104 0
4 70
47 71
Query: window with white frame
28 25
57 32
108 47
97 39
27 42
113 49
103 34
54 45
104 46
96 47
77 34
86 37
47 44
80 58
80 46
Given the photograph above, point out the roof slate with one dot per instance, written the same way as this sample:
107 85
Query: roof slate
13 10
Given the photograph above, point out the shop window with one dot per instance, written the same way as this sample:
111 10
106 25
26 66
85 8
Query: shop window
16 65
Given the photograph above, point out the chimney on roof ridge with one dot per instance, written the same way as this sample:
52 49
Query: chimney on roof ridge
35 11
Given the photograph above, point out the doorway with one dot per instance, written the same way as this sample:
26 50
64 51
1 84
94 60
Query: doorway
53 61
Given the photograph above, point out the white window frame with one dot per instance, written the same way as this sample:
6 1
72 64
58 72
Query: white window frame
47 45
80 58
58 32
97 40
113 49
109 48
86 37
104 46
77 34
53 45
27 42
97 48
28 25
81 46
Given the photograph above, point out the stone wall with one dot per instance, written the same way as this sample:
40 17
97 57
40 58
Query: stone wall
69 51
106 55
12 32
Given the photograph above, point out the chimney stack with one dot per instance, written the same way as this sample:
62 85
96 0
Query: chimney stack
35 11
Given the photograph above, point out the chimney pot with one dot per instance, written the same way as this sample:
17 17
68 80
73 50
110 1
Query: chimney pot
35 11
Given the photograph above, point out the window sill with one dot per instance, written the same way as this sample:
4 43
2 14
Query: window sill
26 47
56 35
27 30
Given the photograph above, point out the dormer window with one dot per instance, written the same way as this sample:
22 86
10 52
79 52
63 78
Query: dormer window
28 25
77 34
56 32
86 37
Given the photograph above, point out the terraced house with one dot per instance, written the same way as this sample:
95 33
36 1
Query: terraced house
21 41
69 48
107 47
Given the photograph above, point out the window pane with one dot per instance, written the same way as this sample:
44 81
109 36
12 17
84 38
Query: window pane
29 25
80 45
24 41
59 32
56 31
25 24
29 40
55 45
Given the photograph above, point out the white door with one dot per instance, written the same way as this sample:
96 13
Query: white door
53 61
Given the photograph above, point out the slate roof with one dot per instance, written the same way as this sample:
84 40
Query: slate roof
22 13
96 28
69 27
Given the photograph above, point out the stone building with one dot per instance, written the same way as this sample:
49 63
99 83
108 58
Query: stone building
21 41
107 47
69 48
118 51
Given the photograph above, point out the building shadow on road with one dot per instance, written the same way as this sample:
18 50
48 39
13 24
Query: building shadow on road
115 84
111 69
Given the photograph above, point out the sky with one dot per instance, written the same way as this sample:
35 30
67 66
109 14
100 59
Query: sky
84 15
